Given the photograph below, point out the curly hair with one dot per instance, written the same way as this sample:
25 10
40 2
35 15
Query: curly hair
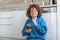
35 6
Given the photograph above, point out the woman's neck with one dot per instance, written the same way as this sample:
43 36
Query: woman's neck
34 18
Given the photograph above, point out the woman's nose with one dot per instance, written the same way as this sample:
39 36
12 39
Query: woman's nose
33 12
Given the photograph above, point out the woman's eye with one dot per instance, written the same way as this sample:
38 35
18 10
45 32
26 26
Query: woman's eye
35 11
31 11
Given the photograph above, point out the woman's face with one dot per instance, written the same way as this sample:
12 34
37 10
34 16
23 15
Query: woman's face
33 12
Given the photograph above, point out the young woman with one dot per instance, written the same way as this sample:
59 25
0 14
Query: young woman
35 27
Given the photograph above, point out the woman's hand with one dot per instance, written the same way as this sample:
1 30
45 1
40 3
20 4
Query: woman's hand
34 21
28 30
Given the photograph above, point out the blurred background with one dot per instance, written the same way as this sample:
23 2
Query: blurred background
13 17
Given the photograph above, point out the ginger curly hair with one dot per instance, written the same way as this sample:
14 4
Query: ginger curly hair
35 6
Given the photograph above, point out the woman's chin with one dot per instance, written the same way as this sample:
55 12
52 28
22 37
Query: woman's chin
34 17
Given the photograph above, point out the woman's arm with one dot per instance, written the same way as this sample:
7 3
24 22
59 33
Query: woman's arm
24 29
42 27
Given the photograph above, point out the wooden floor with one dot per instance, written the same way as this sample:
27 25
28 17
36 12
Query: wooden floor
2 38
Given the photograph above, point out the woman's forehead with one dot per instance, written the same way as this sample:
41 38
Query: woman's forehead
33 8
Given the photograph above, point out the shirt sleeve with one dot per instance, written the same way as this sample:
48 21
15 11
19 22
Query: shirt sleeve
42 27
24 33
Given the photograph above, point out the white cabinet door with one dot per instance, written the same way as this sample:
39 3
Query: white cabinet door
51 25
